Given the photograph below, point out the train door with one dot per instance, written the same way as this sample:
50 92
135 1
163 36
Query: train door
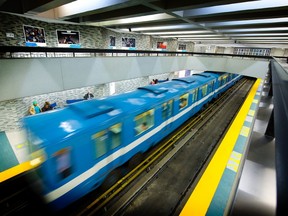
194 94
167 111
213 88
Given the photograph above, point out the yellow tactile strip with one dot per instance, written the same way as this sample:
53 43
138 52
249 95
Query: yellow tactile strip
203 193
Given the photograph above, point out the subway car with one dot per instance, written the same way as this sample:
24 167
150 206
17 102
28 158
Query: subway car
79 147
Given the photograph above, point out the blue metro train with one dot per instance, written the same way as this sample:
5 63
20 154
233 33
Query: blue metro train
79 146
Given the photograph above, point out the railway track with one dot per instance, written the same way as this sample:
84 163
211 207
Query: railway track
126 192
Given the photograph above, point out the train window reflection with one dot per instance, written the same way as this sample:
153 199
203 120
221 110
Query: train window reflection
144 121
183 101
63 162
194 95
107 139
204 90
115 132
210 87
167 109
101 141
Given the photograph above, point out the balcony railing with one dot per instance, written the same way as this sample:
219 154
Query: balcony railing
50 52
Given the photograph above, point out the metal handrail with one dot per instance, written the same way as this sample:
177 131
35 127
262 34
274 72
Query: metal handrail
48 52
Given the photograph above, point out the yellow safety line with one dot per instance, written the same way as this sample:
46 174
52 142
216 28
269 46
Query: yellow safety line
16 170
201 197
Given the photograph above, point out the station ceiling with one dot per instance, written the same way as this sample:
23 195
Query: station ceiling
263 22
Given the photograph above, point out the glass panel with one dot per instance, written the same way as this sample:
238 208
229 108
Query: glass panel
204 90
194 95
167 109
170 108
63 163
101 142
183 101
144 121
115 132
210 87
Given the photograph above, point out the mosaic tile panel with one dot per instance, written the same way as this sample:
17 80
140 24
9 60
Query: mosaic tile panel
90 36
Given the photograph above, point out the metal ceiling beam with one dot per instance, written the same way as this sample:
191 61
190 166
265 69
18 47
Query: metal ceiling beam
90 7
40 6
176 15
236 7
283 21
245 15
136 10
222 18
130 21
188 4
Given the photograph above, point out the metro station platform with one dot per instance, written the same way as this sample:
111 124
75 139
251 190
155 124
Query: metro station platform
240 178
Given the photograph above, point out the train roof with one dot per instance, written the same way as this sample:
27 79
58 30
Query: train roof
215 74
144 96
81 115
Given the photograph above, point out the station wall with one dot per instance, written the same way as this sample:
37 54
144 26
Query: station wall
59 79
90 36
28 77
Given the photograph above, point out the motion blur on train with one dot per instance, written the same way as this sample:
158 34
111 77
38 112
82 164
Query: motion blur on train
79 147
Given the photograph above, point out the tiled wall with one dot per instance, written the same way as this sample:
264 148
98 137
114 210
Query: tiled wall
90 36
12 111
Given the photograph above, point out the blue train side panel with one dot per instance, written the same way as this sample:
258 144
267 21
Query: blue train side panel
87 140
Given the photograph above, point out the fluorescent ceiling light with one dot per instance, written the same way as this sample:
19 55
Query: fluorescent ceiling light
192 36
83 6
260 38
260 34
178 32
138 19
228 8
168 27
200 38
268 41
255 29
246 22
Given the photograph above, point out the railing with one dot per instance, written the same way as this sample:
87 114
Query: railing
55 52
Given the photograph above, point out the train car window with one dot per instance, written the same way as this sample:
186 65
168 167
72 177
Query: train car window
228 77
204 90
194 95
210 87
183 101
220 81
144 121
224 80
101 141
107 139
167 109
115 132
63 163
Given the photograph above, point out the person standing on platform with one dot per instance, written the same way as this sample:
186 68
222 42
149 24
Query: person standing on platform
34 108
